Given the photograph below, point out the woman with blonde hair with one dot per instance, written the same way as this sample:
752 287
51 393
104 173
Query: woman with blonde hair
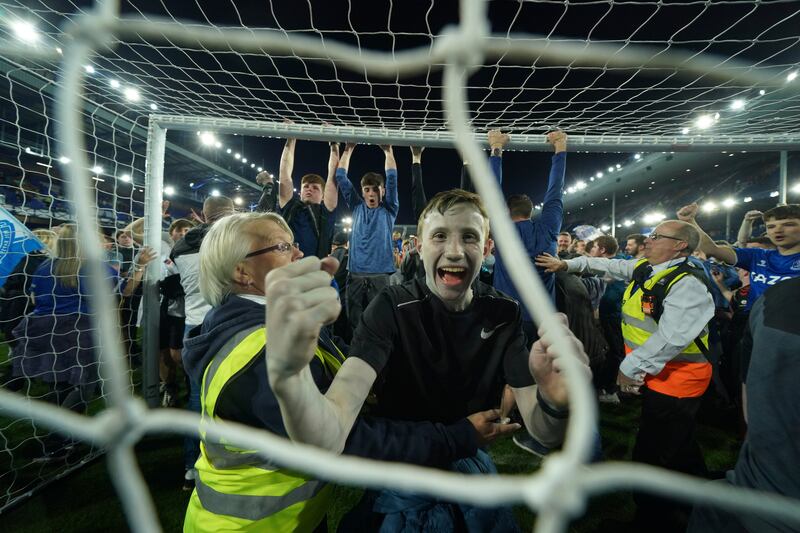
56 341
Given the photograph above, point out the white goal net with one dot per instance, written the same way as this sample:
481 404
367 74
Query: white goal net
90 90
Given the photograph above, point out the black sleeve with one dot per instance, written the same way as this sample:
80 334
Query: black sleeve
466 181
421 443
515 359
269 199
375 335
418 199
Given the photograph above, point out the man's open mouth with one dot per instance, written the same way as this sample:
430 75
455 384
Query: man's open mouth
452 275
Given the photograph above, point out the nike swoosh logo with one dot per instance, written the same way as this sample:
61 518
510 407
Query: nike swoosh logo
486 334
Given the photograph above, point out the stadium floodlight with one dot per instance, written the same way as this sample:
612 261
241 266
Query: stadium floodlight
169 190
580 185
207 138
738 104
244 160
704 122
89 69
228 150
605 227
709 207
132 94
237 155
238 200
747 199
114 83
637 156
347 220
59 50
773 194
25 31
215 192
252 165
611 169
628 223
796 188
652 218
260 169
63 160
217 144
599 175
762 92
792 76
618 166
97 169
126 178
570 190
685 131
728 203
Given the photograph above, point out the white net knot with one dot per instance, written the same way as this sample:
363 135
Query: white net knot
554 487
461 48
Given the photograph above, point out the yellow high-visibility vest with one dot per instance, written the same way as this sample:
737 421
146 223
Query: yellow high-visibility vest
236 489
689 373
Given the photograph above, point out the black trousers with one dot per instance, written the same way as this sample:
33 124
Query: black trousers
361 289
666 438
606 377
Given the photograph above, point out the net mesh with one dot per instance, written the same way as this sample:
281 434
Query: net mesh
520 96
186 72
47 357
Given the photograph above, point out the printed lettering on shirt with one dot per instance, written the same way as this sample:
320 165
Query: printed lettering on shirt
769 280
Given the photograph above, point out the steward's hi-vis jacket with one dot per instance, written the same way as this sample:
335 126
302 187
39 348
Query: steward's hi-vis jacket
240 490
689 373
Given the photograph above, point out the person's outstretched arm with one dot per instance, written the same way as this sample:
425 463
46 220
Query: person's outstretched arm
746 229
300 300
553 205
418 198
331 196
286 190
391 201
726 254
344 184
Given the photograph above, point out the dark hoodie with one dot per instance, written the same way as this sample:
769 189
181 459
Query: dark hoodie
248 398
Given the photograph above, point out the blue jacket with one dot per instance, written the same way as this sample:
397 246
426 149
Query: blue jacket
538 235
371 250
249 399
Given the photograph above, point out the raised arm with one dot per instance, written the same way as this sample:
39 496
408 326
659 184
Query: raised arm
331 196
621 269
268 201
135 275
300 301
287 165
418 198
553 206
746 229
343 182
726 254
391 200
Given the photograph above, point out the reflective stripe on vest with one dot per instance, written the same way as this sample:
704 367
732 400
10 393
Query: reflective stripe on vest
239 489
685 376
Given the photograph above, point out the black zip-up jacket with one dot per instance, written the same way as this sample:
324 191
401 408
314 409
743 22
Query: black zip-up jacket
249 399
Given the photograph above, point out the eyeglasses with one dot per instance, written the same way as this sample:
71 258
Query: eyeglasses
656 236
282 247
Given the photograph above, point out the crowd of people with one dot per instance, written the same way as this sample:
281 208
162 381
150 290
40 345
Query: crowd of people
416 348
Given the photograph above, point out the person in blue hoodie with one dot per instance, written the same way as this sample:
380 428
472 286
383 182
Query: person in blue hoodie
538 236
237 490
371 259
